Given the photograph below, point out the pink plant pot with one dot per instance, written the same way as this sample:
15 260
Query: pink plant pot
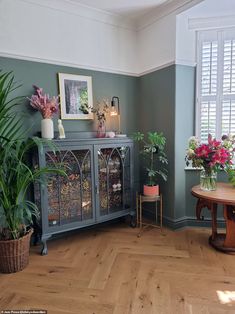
151 190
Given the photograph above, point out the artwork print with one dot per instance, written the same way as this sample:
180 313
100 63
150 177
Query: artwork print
76 96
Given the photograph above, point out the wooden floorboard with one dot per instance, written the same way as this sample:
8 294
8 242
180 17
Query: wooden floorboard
110 270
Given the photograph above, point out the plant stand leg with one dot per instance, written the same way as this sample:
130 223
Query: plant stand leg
140 217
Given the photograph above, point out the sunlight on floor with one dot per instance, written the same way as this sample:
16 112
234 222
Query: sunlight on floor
226 297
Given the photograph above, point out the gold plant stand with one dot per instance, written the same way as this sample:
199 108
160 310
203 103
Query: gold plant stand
140 199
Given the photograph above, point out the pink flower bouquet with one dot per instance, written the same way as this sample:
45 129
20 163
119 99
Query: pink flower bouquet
43 103
211 157
214 155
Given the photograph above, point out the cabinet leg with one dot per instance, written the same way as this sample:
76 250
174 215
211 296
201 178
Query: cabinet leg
37 234
44 250
133 221
36 238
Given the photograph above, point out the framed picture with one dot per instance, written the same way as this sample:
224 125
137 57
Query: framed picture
76 98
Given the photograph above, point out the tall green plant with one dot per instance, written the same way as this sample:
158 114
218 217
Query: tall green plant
152 148
10 121
16 174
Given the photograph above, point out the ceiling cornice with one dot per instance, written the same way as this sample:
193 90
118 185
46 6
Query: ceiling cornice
163 10
75 8
102 16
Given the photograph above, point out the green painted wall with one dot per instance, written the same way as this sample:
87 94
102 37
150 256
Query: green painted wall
159 101
184 128
156 112
167 103
185 203
105 85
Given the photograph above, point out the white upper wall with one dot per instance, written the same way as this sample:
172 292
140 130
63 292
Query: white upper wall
157 36
156 44
61 32
30 29
206 15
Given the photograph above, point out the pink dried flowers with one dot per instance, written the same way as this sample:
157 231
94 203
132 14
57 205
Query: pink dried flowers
43 103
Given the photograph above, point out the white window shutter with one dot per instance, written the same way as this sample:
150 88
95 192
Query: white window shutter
209 68
208 119
229 67
216 84
208 88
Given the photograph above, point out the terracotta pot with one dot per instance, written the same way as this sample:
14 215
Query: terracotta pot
14 254
151 190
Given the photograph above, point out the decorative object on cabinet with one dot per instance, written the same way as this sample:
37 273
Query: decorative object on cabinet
61 129
75 96
110 134
47 129
47 107
98 186
16 176
100 110
115 112
152 150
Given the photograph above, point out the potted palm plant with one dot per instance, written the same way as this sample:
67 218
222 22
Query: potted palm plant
152 149
16 176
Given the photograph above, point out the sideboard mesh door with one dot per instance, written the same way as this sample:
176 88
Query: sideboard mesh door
70 197
114 184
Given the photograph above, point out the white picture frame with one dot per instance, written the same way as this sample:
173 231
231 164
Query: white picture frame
76 98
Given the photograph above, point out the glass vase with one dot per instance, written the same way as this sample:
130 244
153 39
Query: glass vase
101 130
208 180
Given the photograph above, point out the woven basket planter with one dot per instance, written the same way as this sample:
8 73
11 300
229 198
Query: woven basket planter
14 254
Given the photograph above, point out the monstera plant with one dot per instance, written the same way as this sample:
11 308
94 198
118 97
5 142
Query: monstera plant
152 148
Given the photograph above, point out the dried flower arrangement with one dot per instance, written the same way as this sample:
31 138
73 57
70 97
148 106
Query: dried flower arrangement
101 110
43 103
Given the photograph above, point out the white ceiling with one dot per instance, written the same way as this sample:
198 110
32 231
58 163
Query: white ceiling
133 9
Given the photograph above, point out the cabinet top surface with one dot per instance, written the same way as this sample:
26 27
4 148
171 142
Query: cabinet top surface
93 140
116 139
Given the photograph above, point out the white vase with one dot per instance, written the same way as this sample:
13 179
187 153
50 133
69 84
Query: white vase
47 129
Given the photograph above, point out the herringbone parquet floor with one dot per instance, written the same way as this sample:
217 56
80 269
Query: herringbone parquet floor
111 271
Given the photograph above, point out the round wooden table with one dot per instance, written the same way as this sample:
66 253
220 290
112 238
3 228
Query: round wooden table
225 195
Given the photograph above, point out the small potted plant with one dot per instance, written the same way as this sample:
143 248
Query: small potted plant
152 149
16 175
